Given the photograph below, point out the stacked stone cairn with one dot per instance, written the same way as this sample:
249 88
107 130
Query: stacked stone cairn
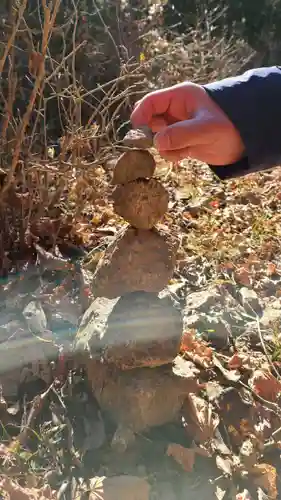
133 324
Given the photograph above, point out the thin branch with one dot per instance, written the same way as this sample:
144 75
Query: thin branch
107 30
12 37
58 68
47 30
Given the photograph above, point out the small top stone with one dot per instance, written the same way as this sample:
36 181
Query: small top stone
141 138
132 165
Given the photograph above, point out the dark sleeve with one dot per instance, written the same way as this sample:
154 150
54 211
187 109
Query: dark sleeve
252 102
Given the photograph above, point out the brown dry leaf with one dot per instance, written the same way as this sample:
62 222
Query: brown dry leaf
12 491
238 360
119 487
183 456
197 349
242 275
271 269
265 385
201 419
265 476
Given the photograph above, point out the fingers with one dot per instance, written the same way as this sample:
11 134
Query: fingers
182 135
158 123
153 104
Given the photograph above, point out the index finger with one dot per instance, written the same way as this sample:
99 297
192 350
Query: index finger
153 104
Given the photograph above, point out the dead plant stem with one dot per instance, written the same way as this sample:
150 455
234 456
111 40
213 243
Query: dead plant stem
49 20
12 37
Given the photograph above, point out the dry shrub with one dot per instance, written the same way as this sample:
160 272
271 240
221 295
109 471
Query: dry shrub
58 126
71 72
201 55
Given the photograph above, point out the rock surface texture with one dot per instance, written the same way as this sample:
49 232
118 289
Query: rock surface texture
142 398
137 260
141 138
136 330
142 203
132 165
131 334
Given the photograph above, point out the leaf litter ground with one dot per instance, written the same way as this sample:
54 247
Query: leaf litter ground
228 441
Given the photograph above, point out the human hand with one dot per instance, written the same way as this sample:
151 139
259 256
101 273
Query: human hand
188 123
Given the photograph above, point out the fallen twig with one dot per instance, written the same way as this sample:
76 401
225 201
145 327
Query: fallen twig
265 350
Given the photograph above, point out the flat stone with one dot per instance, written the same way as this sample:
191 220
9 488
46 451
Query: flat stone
142 203
250 301
212 327
141 138
202 301
137 260
132 165
136 330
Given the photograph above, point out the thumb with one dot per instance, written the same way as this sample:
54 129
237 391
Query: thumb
183 134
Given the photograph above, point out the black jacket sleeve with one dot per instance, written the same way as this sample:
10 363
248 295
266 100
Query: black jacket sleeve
252 102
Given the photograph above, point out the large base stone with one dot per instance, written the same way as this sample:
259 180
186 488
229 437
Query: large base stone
139 399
